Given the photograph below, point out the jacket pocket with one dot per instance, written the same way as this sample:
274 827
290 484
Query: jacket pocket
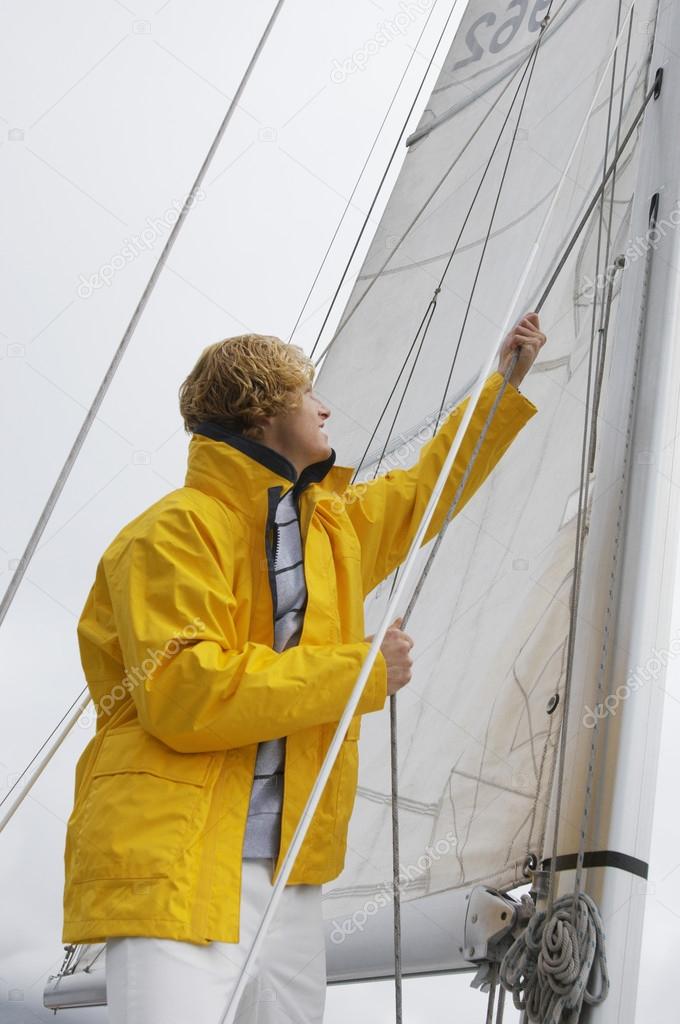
142 807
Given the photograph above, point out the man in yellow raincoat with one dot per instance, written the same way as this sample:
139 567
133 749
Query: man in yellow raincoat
220 641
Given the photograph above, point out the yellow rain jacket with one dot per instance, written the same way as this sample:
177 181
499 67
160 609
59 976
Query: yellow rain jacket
176 644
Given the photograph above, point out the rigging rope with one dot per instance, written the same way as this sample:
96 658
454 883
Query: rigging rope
91 414
80 703
376 195
619 263
652 93
610 272
576 977
584 491
531 67
394 760
559 962
578 559
416 217
609 173
396 869
614 577
429 312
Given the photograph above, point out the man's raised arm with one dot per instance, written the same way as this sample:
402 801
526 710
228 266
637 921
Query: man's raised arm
386 511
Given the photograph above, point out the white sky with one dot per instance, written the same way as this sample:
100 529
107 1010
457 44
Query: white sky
107 111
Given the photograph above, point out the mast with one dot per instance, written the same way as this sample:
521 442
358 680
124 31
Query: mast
630 724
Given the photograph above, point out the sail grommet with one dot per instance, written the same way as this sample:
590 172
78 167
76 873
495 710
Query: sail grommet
552 703
530 865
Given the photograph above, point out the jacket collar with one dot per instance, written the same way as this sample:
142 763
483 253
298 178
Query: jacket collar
240 471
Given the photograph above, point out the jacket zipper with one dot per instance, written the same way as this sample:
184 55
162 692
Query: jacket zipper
275 543
277 859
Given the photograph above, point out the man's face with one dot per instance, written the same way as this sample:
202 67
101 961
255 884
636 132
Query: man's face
299 435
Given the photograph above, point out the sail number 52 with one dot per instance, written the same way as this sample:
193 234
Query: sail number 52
480 30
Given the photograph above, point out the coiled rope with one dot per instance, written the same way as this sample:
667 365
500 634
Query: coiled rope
549 967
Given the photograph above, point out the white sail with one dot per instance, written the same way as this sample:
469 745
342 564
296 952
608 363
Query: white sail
477 742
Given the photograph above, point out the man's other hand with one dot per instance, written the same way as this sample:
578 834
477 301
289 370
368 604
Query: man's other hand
395 648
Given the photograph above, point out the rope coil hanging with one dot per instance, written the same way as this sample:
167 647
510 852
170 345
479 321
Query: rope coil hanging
548 969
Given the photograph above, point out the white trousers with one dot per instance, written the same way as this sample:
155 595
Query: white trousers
162 981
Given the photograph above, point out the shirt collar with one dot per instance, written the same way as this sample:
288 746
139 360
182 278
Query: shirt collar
238 469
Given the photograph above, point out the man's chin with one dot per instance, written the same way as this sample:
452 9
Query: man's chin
322 453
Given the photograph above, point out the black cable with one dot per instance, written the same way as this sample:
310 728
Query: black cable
492 218
607 297
432 302
527 73
430 310
43 745
381 182
652 93
416 217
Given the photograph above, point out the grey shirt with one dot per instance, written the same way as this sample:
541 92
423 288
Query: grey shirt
263 828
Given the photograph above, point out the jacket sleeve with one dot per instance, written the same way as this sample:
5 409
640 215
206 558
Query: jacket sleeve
195 687
386 512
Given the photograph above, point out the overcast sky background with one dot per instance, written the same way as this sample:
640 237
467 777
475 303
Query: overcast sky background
107 111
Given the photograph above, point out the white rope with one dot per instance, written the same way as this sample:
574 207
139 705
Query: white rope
394 761
554 966
82 701
91 414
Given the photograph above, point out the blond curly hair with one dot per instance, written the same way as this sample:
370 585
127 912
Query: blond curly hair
239 380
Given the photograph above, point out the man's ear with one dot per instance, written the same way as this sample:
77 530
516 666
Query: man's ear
257 428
